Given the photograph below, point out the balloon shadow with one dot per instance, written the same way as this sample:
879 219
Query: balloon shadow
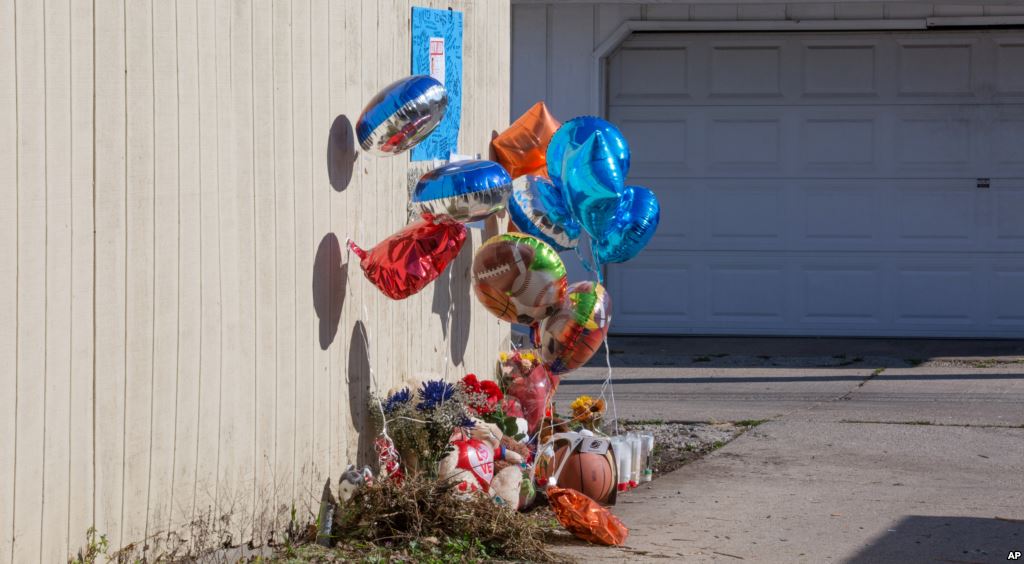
359 394
451 304
330 279
341 153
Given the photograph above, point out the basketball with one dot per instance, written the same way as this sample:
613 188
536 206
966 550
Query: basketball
518 278
588 473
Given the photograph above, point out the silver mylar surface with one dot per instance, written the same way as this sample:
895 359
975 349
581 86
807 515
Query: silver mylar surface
409 123
465 191
467 208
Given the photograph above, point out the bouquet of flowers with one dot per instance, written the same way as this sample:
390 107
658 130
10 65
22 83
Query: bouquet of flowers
485 402
587 411
421 423
526 379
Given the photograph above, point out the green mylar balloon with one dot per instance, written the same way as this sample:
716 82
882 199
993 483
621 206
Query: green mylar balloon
519 278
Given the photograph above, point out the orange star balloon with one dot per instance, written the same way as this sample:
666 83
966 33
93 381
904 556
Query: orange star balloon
522 148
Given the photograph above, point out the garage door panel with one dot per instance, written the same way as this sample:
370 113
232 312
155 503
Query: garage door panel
841 215
753 214
828 184
937 213
841 292
746 69
1009 57
1008 143
832 69
664 289
745 144
745 292
1009 211
1006 300
838 144
643 78
683 218
932 67
940 295
659 145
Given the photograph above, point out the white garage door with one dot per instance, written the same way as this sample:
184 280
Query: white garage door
825 183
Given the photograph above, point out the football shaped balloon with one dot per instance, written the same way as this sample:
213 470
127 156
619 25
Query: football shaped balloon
537 208
401 115
575 332
407 261
519 278
464 191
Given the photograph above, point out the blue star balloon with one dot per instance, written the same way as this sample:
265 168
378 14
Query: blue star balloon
592 179
574 133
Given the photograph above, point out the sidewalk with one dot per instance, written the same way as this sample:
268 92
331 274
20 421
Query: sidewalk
912 464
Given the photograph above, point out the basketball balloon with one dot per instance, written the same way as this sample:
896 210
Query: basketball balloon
519 278
571 335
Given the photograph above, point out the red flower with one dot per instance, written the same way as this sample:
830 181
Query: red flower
487 388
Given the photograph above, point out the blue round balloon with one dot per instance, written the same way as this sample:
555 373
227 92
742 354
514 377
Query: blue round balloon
636 220
465 191
538 208
574 133
401 115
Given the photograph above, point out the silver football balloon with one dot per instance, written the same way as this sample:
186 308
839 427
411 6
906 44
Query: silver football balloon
401 115
464 191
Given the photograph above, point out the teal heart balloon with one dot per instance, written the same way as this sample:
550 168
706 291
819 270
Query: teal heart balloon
635 221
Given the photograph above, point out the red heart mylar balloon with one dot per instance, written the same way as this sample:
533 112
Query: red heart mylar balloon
407 261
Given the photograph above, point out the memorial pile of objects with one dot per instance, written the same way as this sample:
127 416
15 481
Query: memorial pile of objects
564 188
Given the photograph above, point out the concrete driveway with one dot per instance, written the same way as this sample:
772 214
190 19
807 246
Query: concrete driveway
875 451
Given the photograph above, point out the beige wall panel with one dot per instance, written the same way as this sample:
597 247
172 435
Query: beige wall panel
166 289
264 254
190 277
56 412
80 141
8 271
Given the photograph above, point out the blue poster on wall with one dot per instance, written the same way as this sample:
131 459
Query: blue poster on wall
437 51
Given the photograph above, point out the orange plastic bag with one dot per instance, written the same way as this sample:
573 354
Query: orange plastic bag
521 148
585 518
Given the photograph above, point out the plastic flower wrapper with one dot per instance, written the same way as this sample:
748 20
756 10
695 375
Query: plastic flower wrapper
421 423
586 518
526 378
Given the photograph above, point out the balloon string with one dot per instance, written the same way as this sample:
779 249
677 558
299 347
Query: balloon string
607 384
365 333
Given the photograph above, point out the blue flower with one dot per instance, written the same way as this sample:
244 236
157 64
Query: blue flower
467 422
434 392
397 399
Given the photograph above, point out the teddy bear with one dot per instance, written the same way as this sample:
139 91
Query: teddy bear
471 464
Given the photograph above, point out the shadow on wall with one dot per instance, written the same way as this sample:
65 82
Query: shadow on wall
451 304
458 319
944 539
330 280
341 153
359 394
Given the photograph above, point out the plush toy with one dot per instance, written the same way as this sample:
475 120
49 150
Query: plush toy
471 464
353 479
